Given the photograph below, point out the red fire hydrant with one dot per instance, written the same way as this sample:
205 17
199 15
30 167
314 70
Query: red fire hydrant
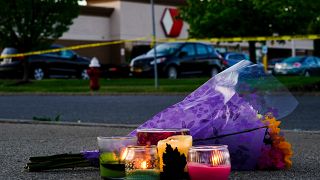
94 74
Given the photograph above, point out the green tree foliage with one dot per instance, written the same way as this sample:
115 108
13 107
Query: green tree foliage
287 17
34 24
227 18
314 26
290 17
224 18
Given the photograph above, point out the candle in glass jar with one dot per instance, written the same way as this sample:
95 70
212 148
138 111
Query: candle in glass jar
199 171
141 163
143 173
181 142
209 162
112 153
152 136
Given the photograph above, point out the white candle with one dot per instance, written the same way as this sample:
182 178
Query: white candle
181 142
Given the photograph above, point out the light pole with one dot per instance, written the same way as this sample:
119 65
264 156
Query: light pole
156 84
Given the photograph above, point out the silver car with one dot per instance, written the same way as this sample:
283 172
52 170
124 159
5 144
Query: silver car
299 65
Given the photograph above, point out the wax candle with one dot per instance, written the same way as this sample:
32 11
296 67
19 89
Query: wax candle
112 154
199 171
141 163
143 174
152 136
209 162
181 142
110 166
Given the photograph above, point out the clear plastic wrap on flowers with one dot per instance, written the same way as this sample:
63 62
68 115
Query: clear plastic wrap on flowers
228 109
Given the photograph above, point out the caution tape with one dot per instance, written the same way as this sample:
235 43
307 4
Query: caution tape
71 48
153 40
239 39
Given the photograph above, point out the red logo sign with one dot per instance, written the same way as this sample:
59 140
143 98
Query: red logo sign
170 23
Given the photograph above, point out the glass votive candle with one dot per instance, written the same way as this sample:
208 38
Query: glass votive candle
181 142
112 153
209 162
141 163
152 136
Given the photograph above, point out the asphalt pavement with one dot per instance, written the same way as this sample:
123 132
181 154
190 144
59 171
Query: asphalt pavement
19 141
126 109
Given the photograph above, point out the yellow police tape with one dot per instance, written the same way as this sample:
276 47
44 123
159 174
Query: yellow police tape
71 48
152 40
238 39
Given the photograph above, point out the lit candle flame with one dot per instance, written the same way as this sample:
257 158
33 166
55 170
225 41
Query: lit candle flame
144 165
124 154
216 158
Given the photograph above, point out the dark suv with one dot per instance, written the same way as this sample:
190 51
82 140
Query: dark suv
62 63
174 59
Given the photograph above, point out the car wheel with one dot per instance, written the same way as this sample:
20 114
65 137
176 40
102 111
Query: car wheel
214 71
84 75
307 74
172 73
38 73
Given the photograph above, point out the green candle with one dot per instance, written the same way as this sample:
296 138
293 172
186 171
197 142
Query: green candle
110 167
143 174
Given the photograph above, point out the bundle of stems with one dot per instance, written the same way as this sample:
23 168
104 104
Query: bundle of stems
60 161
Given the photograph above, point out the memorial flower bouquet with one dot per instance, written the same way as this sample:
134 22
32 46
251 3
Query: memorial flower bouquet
237 107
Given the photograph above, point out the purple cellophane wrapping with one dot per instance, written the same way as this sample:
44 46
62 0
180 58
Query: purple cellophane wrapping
218 108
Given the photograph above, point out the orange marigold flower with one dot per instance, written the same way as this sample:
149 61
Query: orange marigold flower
274 126
288 161
279 144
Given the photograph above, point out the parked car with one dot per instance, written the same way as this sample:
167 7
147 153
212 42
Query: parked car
115 70
232 58
62 63
271 64
299 65
179 58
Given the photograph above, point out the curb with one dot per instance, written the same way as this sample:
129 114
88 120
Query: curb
24 121
96 94
20 121
300 131
124 94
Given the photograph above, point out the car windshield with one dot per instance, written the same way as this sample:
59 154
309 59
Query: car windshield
165 49
7 51
293 59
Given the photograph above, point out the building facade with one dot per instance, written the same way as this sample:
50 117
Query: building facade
112 20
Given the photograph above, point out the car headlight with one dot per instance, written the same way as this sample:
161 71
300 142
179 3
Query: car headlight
6 61
159 60
131 63
277 66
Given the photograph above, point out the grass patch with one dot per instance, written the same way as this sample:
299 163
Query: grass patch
56 118
132 85
107 85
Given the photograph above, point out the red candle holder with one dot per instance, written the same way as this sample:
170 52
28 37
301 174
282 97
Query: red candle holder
152 136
